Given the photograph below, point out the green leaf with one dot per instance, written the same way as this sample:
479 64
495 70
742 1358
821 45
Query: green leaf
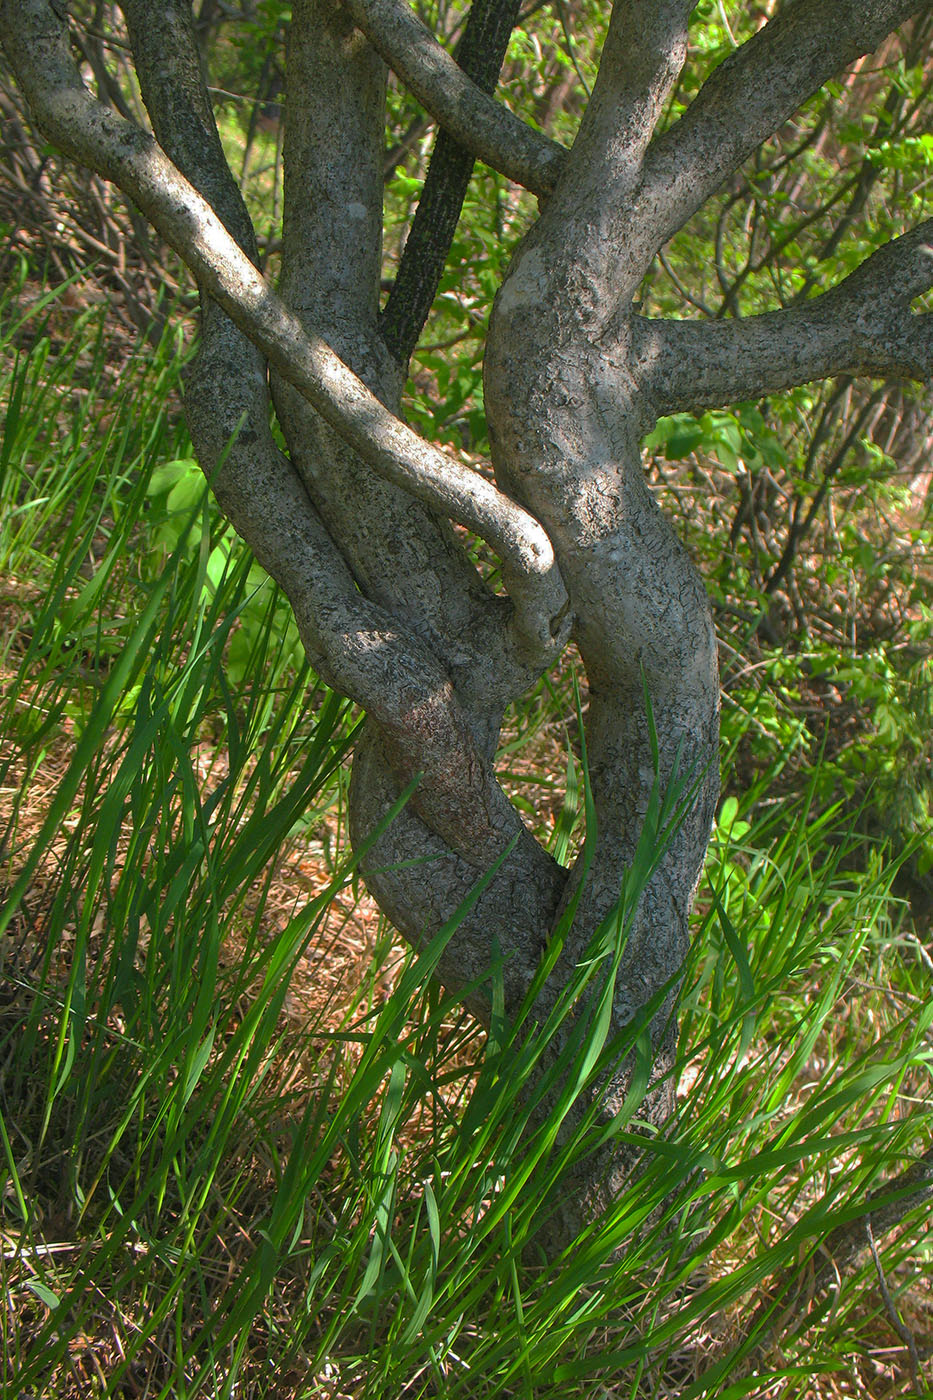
43 1293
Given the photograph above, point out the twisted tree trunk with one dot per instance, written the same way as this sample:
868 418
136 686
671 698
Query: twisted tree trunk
353 519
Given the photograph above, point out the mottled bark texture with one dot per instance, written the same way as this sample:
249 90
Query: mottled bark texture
354 518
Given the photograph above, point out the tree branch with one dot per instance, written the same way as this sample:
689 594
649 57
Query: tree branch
332 224
597 249
862 326
752 92
404 557
483 126
37 47
355 645
641 61
168 65
480 55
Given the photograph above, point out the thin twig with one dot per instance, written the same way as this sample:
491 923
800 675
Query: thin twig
897 1322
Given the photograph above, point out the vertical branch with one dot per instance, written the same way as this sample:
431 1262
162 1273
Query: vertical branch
403 556
590 249
333 157
165 50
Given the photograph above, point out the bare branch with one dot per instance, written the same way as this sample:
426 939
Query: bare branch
479 54
751 93
355 645
483 126
596 252
641 60
862 326
332 225
36 43
227 397
404 557
168 65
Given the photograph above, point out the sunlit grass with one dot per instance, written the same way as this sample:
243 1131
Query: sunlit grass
207 1193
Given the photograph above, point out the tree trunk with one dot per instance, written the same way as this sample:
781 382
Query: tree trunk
354 519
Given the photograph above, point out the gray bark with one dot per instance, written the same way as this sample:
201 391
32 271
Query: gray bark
478 123
353 520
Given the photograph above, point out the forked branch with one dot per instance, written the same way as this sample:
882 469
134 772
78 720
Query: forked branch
487 129
753 92
480 55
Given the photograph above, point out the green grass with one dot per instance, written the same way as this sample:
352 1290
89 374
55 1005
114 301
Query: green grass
205 1194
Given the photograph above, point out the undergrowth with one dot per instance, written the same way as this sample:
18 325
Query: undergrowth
227 1172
